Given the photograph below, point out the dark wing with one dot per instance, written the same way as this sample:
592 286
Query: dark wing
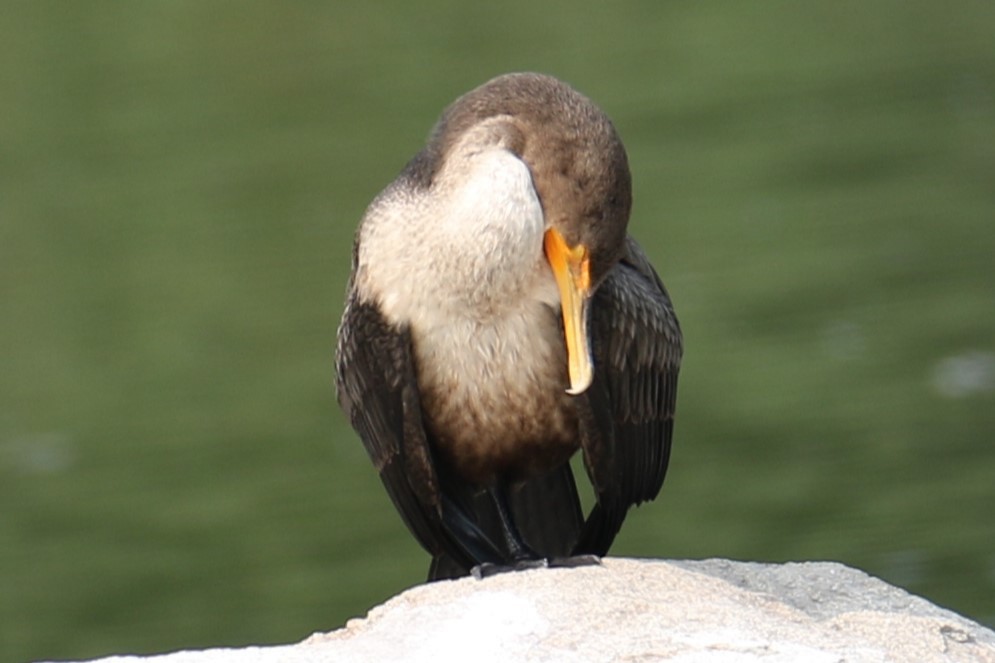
628 415
378 390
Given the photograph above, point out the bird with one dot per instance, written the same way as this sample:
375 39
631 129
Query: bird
498 320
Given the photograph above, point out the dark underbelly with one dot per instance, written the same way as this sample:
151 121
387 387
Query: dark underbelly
491 439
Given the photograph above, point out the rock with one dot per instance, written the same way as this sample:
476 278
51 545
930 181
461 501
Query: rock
642 610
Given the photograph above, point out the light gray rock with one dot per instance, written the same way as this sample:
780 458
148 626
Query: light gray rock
642 610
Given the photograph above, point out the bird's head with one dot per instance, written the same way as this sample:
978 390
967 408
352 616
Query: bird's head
581 178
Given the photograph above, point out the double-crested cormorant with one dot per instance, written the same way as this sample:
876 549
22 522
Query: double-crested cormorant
498 319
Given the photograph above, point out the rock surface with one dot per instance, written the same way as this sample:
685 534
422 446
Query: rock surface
642 610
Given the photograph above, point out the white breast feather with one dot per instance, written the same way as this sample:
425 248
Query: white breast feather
462 264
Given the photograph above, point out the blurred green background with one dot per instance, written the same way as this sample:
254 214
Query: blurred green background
179 186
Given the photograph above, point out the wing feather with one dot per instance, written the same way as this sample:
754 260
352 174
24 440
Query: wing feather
637 344
378 392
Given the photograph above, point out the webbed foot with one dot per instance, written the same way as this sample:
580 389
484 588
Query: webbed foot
487 569
574 561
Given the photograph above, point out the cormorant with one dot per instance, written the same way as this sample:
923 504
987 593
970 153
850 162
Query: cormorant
498 319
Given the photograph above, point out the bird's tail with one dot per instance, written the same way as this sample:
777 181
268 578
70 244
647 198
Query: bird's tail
546 510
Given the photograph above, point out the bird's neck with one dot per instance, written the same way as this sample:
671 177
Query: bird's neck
468 247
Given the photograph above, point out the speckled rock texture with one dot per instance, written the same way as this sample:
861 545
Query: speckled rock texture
642 610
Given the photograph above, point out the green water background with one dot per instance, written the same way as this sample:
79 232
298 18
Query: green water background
179 186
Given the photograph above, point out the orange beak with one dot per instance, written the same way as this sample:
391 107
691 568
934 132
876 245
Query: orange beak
572 269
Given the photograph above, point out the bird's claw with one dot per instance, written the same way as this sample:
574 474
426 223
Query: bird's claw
574 561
